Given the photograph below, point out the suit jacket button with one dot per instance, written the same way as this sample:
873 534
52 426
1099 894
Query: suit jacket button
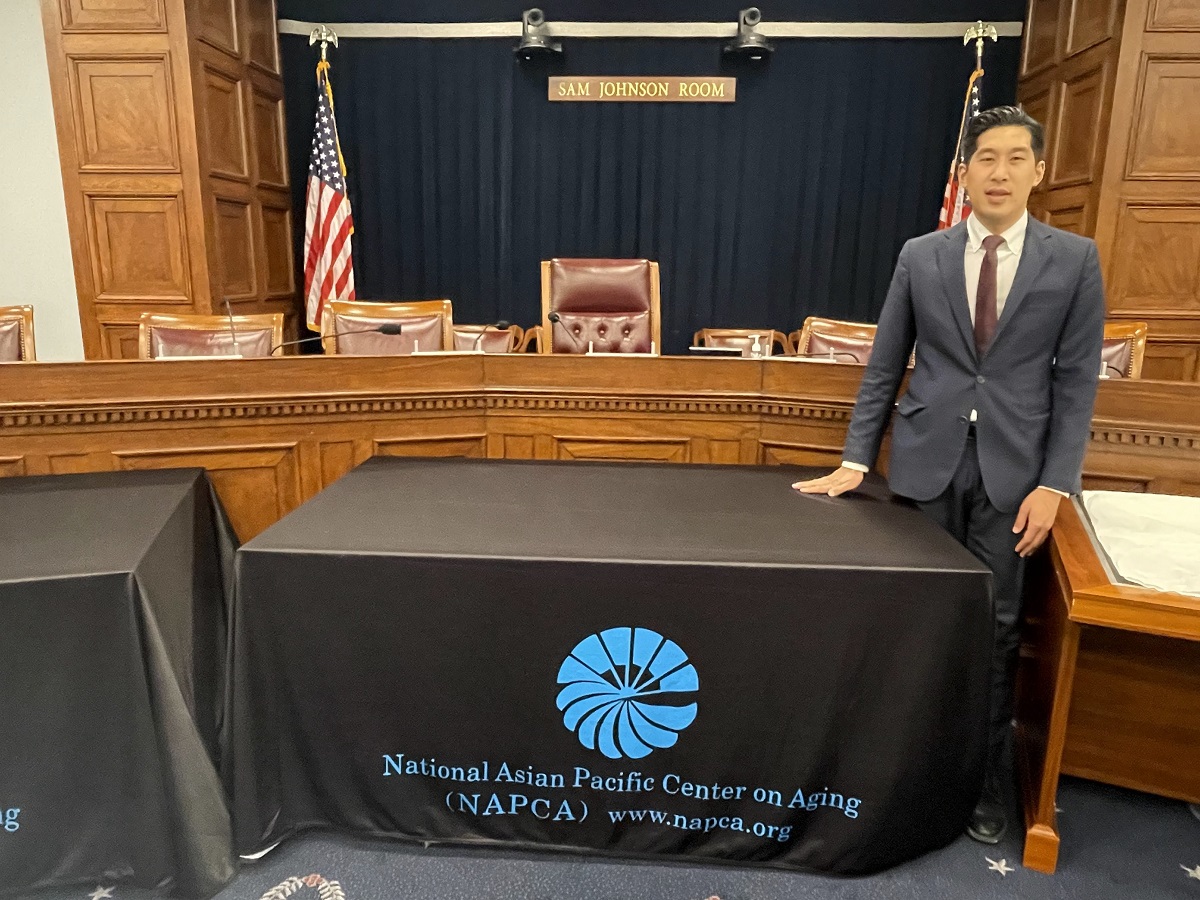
980 379
963 419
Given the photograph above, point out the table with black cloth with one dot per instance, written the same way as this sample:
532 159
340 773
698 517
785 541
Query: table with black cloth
642 660
114 589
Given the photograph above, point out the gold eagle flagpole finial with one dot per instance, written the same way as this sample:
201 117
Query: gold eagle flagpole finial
326 36
977 32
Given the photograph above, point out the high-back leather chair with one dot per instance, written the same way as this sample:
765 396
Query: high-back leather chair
743 339
16 334
167 335
1124 349
846 342
613 305
488 338
427 325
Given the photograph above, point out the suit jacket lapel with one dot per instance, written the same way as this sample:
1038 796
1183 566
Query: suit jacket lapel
954 281
1034 257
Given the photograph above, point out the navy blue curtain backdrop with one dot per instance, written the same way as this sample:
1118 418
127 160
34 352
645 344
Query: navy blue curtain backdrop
793 201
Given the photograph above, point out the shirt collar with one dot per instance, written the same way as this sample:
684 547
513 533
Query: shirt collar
1014 238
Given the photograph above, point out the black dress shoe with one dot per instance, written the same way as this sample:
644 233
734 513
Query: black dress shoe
989 822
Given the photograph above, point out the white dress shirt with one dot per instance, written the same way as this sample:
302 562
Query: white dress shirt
1008 256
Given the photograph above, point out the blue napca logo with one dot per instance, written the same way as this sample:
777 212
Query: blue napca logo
617 692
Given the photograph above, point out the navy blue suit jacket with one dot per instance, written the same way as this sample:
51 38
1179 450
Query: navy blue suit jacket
1034 389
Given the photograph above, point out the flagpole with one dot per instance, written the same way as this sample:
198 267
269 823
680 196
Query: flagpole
953 198
328 223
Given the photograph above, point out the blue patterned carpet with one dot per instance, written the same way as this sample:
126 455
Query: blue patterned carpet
1115 844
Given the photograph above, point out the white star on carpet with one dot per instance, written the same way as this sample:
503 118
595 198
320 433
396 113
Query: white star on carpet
1002 866
100 893
1192 873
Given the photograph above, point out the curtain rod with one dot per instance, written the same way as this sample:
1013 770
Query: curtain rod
647 29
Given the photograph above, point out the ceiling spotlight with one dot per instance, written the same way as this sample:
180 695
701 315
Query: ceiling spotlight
749 44
535 36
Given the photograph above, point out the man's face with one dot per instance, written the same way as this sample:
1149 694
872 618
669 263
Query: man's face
1001 174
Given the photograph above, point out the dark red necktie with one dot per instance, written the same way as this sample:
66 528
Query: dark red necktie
985 296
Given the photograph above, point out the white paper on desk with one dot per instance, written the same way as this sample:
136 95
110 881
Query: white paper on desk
1152 539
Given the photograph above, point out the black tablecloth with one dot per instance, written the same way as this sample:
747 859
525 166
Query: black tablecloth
635 659
113 600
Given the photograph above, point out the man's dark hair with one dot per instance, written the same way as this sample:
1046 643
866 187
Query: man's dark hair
997 117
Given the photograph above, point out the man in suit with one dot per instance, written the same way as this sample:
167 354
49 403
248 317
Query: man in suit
1007 316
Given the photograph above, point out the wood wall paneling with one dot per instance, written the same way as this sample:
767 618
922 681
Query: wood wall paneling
138 249
278 270
258 485
235 242
1040 49
1110 483
472 446
269 136
217 24
125 114
1078 121
1118 82
1159 249
12 465
113 15
120 341
157 105
243 158
627 449
774 453
262 40
1090 23
1072 217
516 446
337 458
1172 362
1166 138
224 118
1173 16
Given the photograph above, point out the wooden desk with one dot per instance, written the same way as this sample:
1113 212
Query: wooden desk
274 432
1109 685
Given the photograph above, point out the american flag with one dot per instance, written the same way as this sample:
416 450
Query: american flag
955 205
328 263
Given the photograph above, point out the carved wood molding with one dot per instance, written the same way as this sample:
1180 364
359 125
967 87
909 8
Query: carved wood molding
1139 437
1121 434
274 408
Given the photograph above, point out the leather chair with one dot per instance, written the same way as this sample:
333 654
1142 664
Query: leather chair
743 339
16 334
494 340
1124 349
846 342
611 304
167 335
427 324
531 336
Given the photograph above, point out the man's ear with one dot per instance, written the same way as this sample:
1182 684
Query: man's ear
1040 170
962 171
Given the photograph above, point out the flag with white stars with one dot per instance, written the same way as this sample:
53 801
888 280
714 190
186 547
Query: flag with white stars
328 225
955 205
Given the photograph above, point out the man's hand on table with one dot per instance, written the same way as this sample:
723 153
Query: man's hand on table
836 482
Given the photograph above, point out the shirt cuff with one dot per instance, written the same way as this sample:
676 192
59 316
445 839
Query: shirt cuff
857 467
1042 487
